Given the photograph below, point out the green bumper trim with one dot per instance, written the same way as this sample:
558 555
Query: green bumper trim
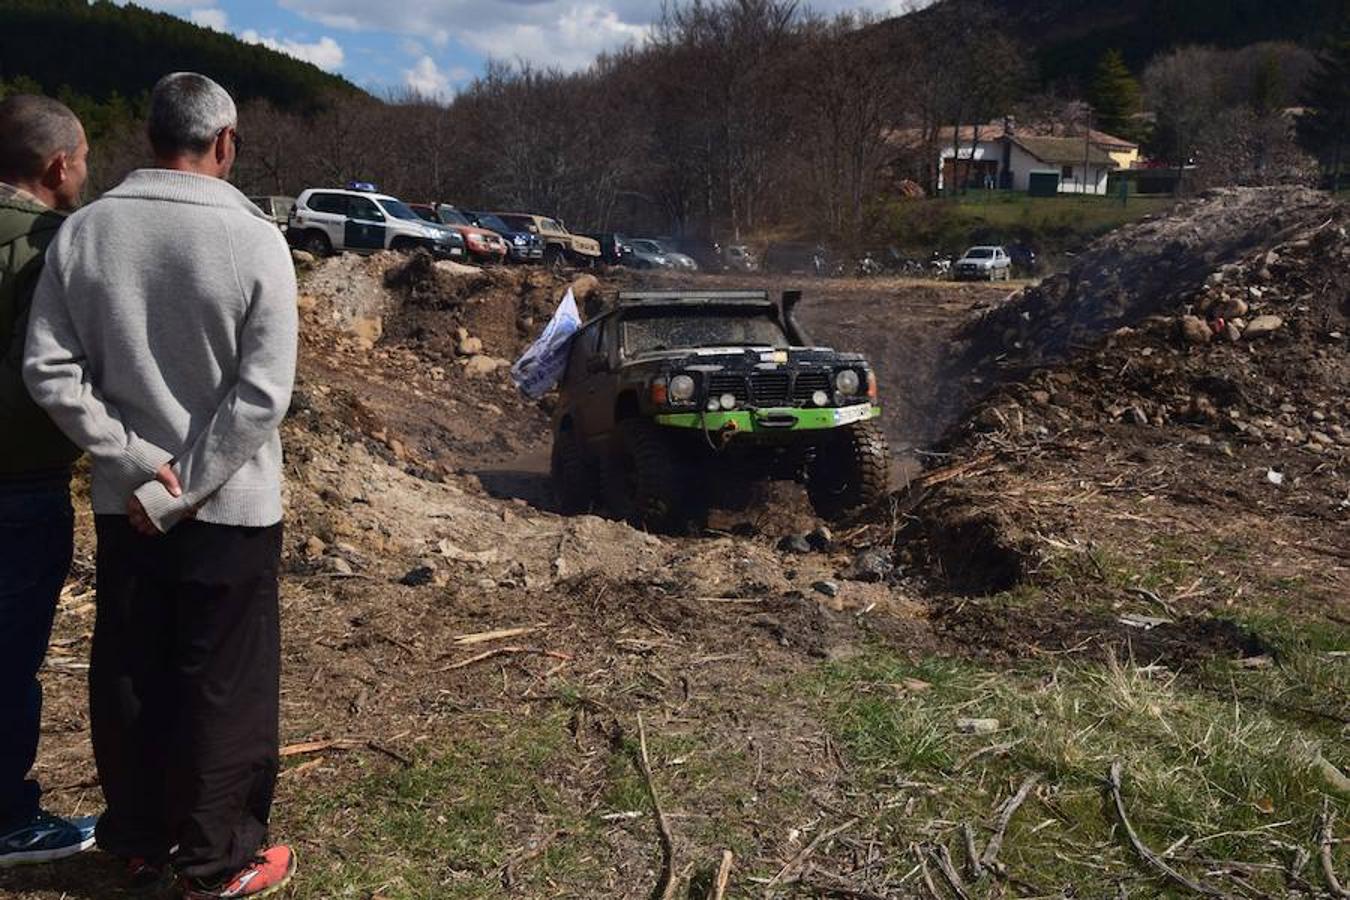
769 421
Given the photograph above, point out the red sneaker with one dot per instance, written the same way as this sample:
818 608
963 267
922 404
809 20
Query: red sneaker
268 873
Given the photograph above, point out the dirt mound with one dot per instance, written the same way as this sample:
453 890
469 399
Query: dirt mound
1130 274
1199 359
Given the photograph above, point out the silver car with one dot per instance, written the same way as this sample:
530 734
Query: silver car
984 263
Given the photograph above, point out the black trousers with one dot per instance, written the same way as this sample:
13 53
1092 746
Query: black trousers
36 526
184 680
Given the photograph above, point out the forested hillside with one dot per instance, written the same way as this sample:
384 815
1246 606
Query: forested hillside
1069 37
103 51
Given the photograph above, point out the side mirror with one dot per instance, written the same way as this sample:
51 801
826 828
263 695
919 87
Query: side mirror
597 363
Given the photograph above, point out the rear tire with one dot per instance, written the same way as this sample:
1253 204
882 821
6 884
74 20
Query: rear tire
850 472
574 486
316 244
643 479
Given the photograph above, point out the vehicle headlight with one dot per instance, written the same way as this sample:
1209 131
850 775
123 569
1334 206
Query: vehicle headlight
520 239
727 401
846 382
681 388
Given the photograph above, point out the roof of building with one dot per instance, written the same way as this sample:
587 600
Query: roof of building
1064 150
996 130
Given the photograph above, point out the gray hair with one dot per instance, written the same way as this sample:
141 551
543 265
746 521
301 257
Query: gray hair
34 129
187 112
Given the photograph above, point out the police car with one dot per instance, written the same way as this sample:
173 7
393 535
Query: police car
359 219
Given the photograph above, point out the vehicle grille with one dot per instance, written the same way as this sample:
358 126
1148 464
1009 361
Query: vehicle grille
770 388
808 383
735 385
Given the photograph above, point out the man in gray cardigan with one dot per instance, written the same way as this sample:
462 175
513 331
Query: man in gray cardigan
162 341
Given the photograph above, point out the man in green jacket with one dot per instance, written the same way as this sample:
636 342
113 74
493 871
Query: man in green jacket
42 172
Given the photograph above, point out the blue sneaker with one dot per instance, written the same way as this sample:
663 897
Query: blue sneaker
44 838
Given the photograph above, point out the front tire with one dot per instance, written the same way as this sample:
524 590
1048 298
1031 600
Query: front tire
644 483
850 472
574 486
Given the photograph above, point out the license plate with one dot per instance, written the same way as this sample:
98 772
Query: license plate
847 415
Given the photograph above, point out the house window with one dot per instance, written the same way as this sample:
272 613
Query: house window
1067 173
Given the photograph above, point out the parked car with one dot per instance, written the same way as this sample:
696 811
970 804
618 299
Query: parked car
560 245
984 262
645 254
738 258
612 247
334 220
707 253
659 254
482 245
795 259
1024 259
522 245
278 209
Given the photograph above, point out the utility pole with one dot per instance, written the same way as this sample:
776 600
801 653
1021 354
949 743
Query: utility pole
1087 146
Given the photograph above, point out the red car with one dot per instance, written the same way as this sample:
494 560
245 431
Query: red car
483 246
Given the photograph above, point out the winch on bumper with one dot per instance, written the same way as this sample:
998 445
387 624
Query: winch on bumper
769 422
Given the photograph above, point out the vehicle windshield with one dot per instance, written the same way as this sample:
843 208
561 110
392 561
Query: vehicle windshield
494 224
646 246
979 253
645 331
400 210
423 213
551 225
451 216
520 223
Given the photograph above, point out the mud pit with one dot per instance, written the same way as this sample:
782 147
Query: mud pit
418 523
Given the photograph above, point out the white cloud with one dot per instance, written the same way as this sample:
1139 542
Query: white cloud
429 80
571 40
325 53
210 17
426 79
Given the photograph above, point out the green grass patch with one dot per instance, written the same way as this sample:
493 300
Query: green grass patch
1227 779
442 828
1051 224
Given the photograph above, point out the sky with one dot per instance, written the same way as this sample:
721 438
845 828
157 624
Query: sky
437 46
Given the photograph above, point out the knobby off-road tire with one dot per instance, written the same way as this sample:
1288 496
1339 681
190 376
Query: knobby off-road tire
644 483
850 471
574 483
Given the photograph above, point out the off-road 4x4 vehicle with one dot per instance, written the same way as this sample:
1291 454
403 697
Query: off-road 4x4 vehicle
675 401
560 245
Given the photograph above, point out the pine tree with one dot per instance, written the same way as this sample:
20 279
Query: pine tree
1115 96
1322 128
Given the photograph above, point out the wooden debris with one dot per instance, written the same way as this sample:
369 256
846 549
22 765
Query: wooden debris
1325 839
805 852
665 883
482 637
501 651
1143 851
989 859
719 888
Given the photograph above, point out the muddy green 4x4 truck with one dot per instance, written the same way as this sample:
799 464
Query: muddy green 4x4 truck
674 401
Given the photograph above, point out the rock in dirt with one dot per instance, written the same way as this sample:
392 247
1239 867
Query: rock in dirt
339 566
315 547
479 366
828 588
1263 325
417 577
794 543
302 259
1232 308
470 346
820 538
871 565
977 726
1195 330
